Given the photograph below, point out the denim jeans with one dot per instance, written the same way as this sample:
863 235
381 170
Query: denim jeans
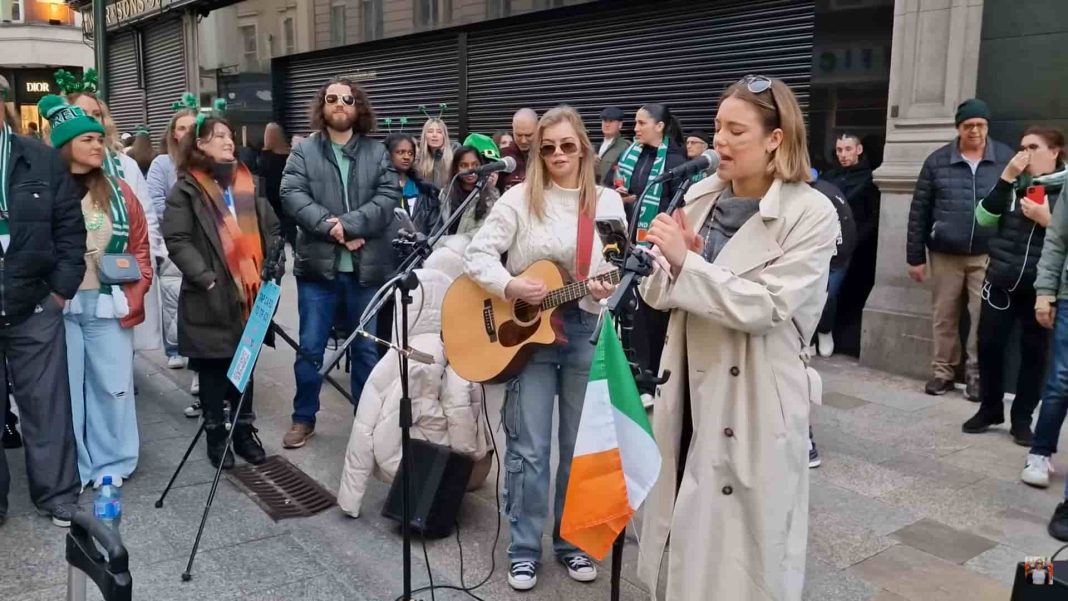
317 302
561 371
1055 399
100 369
830 308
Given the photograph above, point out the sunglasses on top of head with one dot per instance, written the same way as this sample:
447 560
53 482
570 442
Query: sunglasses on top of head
569 148
347 99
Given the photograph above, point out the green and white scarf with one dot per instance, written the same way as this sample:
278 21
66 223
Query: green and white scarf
6 136
651 204
111 305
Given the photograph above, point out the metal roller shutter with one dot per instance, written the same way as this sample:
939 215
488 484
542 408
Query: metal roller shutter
398 78
126 99
165 71
682 54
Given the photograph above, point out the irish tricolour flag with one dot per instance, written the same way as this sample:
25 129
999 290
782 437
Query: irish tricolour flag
616 461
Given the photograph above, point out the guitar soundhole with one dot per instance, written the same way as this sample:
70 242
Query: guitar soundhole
525 314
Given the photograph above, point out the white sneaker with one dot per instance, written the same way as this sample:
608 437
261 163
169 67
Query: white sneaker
176 362
523 575
826 344
194 388
1037 471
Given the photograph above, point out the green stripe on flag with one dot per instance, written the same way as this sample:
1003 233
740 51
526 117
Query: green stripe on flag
610 363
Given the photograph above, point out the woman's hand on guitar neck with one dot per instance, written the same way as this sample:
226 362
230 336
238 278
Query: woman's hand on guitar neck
529 291
600 289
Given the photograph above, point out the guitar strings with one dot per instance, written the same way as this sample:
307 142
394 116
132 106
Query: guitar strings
564 294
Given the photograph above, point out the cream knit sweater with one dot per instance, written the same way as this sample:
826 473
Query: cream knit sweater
511 228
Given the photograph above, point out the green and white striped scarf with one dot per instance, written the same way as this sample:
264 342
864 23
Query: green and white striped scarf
625 170
120 237
5 161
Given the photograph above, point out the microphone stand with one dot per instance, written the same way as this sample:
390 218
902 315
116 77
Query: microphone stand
406 281
622 305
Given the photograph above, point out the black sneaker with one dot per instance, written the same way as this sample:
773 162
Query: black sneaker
580 568
523 575
11 438
1021 434
1058 524
61 514
938 386
814 460
981 422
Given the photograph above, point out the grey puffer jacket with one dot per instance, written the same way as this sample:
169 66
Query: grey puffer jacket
942 216
312 193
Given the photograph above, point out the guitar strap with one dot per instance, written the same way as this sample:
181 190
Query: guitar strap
584 247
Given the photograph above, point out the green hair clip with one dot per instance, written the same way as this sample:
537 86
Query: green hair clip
389 121
217 109
69 83
141 130
188 102
426 113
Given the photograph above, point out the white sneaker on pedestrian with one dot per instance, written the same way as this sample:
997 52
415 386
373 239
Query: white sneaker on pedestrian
1037 470
194 388
193 410
176 362
826 344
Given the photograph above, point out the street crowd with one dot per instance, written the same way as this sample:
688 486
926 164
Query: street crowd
111 244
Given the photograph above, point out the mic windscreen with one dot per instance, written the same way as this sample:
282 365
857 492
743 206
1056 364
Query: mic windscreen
713 159
509 164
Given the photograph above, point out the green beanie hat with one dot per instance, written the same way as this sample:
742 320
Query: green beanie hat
484 145
973 108
67 121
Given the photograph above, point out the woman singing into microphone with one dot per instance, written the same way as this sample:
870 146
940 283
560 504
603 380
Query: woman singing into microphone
541 219
749 258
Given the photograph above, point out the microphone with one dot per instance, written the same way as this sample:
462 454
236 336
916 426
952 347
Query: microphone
708 160
505 165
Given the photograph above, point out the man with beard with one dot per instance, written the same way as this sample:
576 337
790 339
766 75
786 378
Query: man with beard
339 187
524 122
853 177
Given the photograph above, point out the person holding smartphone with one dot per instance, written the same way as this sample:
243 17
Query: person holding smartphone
1019 206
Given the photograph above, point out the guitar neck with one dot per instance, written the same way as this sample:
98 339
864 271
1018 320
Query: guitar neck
577 290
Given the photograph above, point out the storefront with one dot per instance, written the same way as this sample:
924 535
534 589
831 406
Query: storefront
30 85
151 50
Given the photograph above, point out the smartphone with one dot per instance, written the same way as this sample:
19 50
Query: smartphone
1036 193
613 234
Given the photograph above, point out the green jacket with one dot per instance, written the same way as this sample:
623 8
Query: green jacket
1050 280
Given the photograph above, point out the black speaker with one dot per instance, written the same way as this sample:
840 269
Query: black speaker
438 483
1024 590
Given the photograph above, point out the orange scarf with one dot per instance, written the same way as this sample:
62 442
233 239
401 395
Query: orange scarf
241 236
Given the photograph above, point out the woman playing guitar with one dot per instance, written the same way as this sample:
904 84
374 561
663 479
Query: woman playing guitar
549 216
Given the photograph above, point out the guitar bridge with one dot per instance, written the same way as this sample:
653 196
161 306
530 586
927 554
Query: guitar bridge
487 319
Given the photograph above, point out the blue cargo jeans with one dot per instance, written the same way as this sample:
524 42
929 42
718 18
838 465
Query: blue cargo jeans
561 371
1055 399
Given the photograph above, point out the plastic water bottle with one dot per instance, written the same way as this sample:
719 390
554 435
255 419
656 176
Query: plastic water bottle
108 504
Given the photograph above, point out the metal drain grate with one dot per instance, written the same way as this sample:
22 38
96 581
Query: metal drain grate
281 489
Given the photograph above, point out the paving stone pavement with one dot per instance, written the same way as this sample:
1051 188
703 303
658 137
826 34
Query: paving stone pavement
905 507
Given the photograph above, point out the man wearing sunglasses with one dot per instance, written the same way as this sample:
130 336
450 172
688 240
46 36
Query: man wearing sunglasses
340 188
943 233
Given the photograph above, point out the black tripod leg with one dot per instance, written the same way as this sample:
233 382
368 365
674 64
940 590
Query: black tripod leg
617 564
296 347
187 574
181 464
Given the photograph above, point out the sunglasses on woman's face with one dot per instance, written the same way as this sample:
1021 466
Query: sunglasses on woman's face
347 100
569 148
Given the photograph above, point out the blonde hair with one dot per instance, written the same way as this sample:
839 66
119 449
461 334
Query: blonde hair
424 156
111 132
538 174
779 110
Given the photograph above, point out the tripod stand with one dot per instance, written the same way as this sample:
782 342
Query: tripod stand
405 281
271 276
622 305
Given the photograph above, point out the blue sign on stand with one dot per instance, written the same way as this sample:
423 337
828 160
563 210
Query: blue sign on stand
259 323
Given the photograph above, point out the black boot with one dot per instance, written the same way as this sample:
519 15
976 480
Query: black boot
246 444
980 422
216 434
1021 433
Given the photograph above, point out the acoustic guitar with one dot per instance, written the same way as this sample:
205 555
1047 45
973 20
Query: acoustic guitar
489 339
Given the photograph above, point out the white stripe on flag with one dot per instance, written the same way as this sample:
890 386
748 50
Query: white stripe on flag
597 430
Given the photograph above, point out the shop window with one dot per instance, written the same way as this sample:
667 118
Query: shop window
16 11
431 13
289 36
250 59
371 17
337 25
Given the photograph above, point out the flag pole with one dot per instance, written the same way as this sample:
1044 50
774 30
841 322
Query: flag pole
617 564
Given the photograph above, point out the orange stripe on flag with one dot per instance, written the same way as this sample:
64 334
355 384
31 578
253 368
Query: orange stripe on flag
596 507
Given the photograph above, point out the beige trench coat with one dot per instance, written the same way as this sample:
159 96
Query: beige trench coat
739 523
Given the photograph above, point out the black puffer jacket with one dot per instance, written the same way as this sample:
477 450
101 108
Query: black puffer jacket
312 193
861 193
847 236
942 217
47 249
1017 245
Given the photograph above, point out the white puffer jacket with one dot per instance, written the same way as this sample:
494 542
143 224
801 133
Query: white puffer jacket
446 409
